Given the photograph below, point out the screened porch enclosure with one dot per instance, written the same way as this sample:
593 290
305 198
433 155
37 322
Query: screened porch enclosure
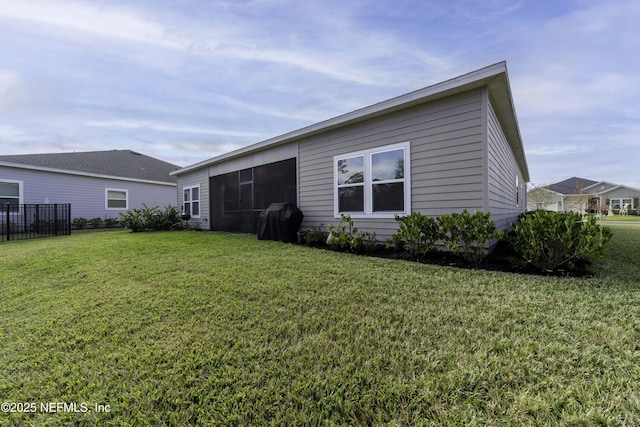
239 197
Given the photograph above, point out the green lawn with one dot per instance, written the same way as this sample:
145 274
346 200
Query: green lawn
620 218
193 328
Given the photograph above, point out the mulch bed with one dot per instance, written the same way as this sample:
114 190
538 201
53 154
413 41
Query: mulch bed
502 258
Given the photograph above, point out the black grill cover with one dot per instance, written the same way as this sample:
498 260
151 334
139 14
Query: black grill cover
280 221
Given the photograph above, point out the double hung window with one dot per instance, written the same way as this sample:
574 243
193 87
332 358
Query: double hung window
622 203
116 199
11 194
191 201
373 183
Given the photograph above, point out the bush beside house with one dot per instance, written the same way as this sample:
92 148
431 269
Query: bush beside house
546 241
151 219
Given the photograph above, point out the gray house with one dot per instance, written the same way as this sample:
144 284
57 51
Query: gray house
97 184
586 196
451 146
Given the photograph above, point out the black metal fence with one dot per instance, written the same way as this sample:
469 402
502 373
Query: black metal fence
19 222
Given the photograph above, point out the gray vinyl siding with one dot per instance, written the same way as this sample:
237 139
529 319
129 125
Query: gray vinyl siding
198 177
201 176
446 139
622 192
86 194
504 204
273 154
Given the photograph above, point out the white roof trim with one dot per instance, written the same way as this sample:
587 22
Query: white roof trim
617 187
545 189
87 174
601 183
476 79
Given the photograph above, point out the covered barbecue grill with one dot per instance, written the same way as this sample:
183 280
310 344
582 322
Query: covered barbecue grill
280 221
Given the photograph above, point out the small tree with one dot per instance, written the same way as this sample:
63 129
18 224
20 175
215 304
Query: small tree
540 197
579 201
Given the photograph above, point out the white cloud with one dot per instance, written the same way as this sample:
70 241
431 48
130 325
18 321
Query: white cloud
560 150
486 9
369 57
160 127
11 134
8 80
89 18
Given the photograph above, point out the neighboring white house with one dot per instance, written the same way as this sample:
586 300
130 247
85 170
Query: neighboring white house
97 184
585 196
451 146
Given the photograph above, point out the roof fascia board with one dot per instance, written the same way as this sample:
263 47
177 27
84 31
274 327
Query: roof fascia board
463 83
87 174
500 91
545 189
618 187
602 183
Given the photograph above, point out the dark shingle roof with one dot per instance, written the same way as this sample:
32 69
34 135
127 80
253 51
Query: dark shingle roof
571 185
120 163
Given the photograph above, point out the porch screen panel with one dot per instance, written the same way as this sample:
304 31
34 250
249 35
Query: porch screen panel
225 202
275 183
235 194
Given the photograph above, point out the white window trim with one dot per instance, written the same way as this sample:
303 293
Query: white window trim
368 183
191 201
20 191
620 199
106 199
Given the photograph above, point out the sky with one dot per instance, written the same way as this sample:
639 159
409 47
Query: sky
187 80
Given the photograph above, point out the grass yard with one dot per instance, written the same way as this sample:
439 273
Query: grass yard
192 328
620 218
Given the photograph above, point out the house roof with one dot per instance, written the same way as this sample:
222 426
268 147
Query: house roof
123 164
619 187
494 77
604 186
571 185
574 184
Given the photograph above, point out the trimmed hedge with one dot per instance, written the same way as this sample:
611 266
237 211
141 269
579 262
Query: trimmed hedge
151 219
554 240
549 241
464 234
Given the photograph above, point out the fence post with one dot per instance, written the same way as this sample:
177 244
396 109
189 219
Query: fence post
37 221
68 219
55 219
8 224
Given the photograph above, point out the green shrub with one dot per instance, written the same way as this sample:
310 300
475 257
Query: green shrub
417 234
95 222
79 223
110 222
551 240
146 218
171 218
467 234
316 236
345 237
167 219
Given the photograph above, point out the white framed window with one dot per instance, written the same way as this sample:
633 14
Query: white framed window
517 191
191 201
11 194
373 183
116 199
622 202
